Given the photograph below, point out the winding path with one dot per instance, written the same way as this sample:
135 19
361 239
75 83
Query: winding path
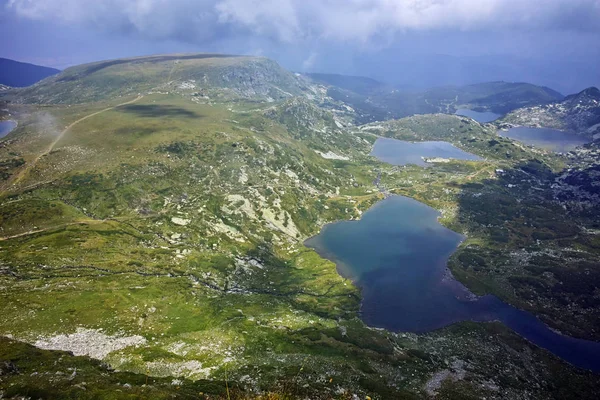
50 228
32 164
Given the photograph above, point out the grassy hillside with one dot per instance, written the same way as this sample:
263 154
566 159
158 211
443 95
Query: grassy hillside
207 74
162 234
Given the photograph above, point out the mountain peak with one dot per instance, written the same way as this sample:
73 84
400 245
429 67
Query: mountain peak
214 75
20 74
592 93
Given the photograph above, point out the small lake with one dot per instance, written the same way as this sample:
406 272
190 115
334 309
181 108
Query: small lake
549 139
397 255
6 127
398 152
481 117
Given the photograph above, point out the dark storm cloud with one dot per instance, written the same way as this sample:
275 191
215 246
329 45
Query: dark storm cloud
407 42
192 21
289 21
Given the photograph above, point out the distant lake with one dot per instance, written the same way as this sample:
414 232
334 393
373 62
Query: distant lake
6 127
481 117
549 139
397 255
398 152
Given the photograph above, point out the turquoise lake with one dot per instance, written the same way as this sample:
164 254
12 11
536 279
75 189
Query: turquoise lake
397 255
399 152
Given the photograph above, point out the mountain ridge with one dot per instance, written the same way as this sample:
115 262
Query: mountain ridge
374 100
20 74
232 76
577 113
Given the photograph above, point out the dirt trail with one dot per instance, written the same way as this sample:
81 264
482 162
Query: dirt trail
32 164
82 221
51 228
484 169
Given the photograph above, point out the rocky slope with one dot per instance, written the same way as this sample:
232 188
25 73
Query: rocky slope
578 187
375 101
578 113
209 75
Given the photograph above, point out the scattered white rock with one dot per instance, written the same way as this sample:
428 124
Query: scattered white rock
330 155
189 369
89 342
187 85
243 178
238 203
180 221
436 160
291 174
230 231
277 220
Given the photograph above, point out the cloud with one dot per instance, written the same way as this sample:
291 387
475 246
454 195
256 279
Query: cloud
294 21
310 61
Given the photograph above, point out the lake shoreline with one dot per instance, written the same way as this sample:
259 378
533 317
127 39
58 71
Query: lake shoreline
467 305
7 126
548 139
399 152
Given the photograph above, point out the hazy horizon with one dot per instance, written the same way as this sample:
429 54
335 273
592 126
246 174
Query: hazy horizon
407 43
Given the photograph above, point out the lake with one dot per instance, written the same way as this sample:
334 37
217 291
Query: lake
481 117
398 152
6 127
397 255
549 139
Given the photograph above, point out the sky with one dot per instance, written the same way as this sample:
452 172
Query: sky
412 43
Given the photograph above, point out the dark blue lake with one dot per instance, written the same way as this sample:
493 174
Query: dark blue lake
398 152
549 139
481 117
6 127
397 255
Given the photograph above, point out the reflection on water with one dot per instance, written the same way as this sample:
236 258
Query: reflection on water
397 255
549 139
6 127
398 152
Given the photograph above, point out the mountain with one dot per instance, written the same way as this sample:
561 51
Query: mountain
498 97
423 71
18 74
153 219
357 84
578 113
208 75
375 101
